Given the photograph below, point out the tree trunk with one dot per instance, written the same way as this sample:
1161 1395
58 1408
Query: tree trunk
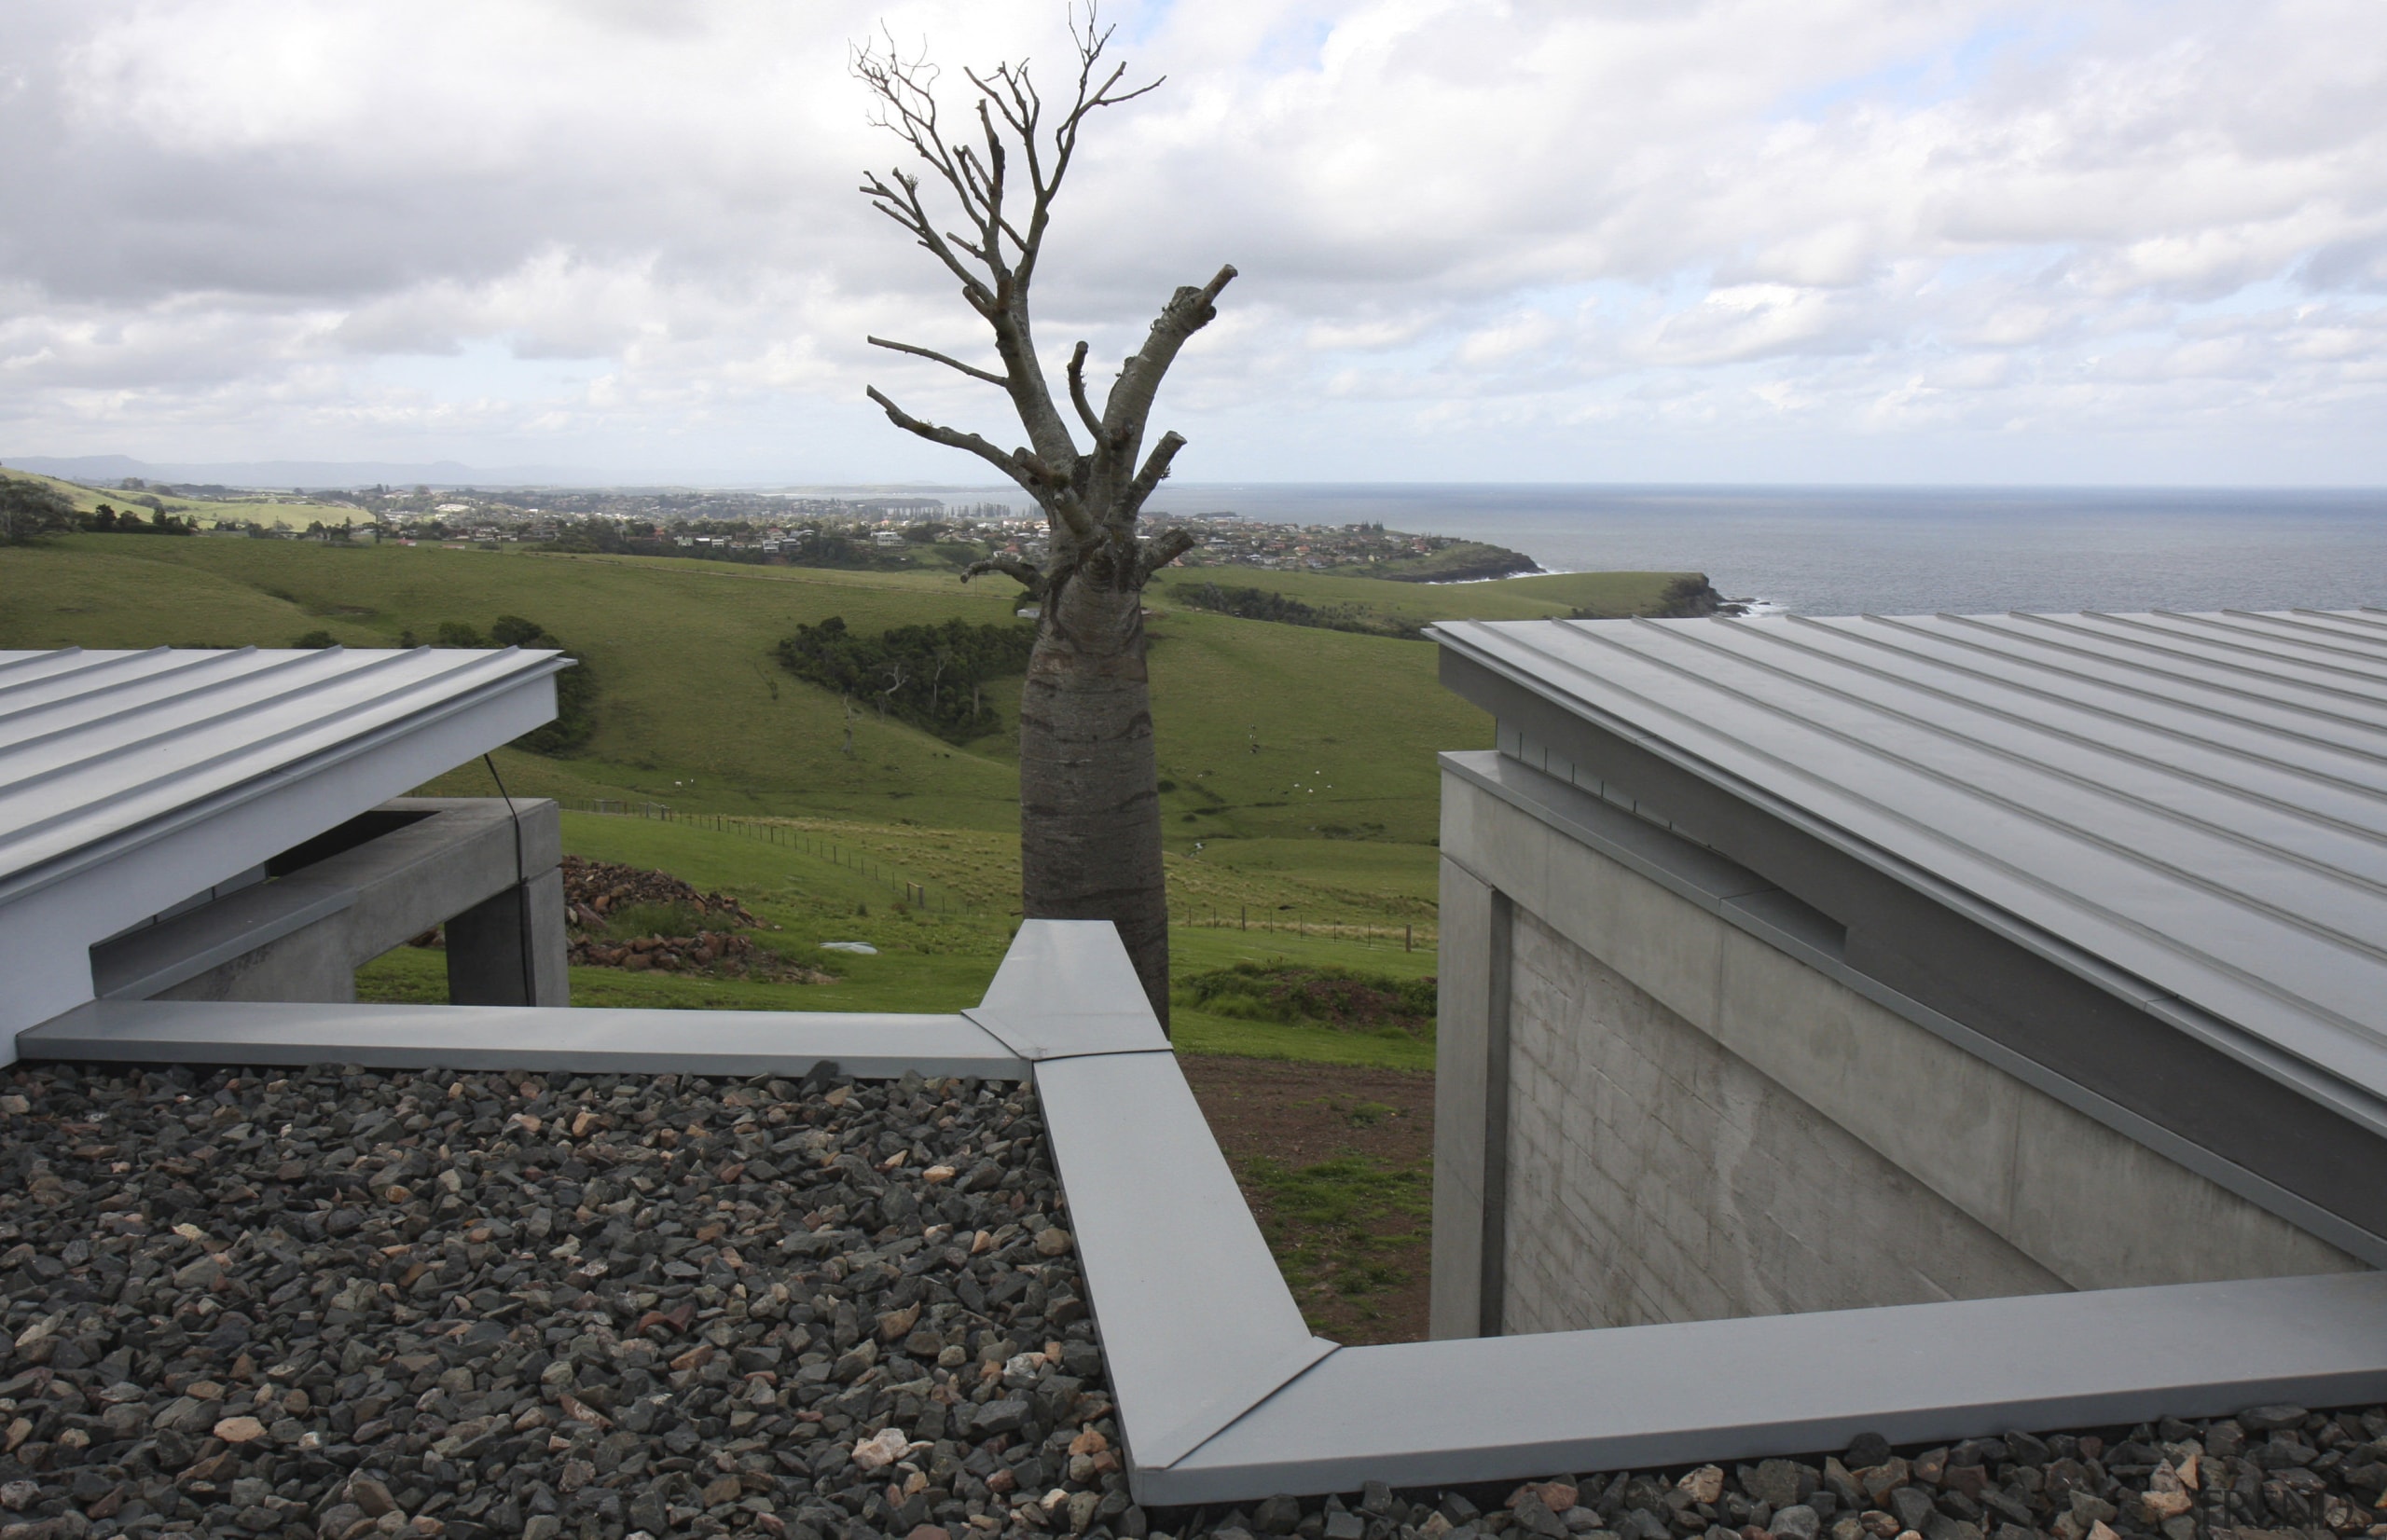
1089 815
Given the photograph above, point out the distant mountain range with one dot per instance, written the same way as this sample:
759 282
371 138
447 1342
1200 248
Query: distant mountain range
318 474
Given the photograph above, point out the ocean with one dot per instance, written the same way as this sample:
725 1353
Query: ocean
1895 550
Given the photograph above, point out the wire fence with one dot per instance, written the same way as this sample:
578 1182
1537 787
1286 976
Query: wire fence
1290 920
789 836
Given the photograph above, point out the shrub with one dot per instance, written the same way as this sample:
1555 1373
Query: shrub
1298 996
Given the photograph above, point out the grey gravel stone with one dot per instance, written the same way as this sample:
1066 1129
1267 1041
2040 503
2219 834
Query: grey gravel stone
678 1308
553 1307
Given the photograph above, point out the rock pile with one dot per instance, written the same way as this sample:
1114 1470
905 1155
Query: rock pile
342 1305
2269 1473
594 890
672 953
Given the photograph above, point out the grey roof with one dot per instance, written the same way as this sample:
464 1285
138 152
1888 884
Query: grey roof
97 747
2199 801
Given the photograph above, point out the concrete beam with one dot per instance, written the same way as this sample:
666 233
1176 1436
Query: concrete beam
349 895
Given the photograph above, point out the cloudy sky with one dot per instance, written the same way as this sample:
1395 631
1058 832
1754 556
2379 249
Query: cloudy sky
1949 240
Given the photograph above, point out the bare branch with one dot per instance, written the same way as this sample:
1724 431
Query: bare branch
1163 548
1187 311
1077 394
1029 477
972 372
1022 572
901 204
1148 479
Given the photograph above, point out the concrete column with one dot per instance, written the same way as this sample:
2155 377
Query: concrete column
1471 1108
510 949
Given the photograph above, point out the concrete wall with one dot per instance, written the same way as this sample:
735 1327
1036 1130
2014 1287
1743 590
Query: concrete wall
1646 1112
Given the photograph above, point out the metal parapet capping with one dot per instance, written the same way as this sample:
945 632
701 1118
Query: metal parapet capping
1222 1394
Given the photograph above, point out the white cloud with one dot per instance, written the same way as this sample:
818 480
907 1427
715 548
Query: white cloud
2002 237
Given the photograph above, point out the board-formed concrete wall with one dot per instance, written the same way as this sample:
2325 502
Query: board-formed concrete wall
1648 1112
1655 1175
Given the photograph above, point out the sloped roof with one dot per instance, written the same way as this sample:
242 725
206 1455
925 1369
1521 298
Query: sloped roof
2197 799
99 750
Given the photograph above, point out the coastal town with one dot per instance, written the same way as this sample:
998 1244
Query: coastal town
807 529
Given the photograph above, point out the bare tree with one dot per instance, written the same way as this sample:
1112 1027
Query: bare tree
1089 807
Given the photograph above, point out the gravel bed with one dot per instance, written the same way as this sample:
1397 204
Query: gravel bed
2269 1473
337 1304
342 1305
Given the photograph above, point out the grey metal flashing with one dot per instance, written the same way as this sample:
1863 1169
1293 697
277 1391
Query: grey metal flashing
1197 1324
1065 988
1748 902
2318 1135
871 1045
1041 1037
1500 1408
1065 968
155 958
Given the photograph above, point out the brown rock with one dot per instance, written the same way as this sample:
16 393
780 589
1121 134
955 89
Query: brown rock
1703 1485
898 1324
1052 1240
1879 1481
240 1430
371 1497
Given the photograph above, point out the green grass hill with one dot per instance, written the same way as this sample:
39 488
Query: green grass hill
1297 764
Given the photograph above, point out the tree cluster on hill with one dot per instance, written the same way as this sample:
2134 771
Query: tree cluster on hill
106 520
930 676
30 509
1266 604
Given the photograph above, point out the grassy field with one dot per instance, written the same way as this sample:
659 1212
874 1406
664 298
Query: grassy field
927 959
1266 732
1537 597
293 511
1297 765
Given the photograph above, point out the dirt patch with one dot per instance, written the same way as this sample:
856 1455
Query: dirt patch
1337 1164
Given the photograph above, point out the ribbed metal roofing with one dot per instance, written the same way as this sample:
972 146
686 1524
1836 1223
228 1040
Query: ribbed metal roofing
2197 799
97 747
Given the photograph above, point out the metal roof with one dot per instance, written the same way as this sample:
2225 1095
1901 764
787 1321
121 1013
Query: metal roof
100 749
2199 801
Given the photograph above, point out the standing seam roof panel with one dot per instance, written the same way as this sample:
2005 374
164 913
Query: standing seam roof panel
113 758
2321 843
2096 850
